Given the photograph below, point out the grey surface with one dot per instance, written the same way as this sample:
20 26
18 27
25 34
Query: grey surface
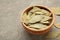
10 11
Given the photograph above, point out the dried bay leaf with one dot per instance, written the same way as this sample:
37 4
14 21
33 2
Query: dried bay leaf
37 26
25 18
46 18
29 13
35 9
52 34
39 13
58 38
46 12
35 18
56 10
58 14
46 22
57 25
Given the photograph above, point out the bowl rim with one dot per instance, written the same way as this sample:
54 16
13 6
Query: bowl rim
53 18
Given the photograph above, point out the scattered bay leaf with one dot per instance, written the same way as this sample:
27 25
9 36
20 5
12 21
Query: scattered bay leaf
57 25
52 34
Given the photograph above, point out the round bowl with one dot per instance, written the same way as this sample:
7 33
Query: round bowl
42 31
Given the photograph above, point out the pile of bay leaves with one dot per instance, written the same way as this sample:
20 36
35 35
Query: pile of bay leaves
37 18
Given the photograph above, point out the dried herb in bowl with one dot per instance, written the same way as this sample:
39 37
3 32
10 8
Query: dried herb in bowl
37 18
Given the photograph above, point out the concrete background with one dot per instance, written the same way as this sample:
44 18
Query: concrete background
10 10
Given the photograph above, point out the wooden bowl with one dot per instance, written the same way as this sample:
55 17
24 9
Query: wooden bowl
42 31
